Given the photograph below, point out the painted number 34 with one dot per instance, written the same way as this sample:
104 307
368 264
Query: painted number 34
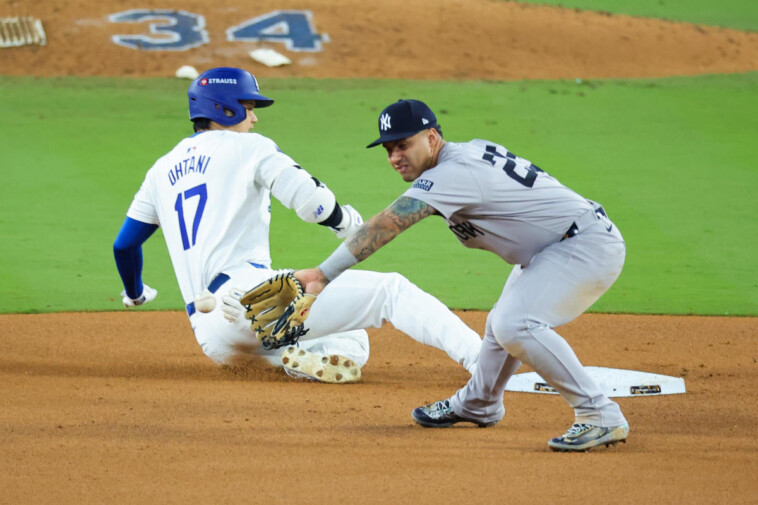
172 30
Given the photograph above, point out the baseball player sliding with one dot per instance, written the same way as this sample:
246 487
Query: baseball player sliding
566 253
211 195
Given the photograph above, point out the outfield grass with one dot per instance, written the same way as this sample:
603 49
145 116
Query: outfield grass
672 160
739 14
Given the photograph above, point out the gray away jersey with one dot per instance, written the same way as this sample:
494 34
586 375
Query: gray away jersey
497 201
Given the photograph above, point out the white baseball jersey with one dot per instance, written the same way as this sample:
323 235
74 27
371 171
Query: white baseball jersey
211 196
496 201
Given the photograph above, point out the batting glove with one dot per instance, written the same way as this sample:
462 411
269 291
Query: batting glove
148 295
351 221
232 308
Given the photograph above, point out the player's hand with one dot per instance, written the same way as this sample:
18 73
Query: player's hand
313 280
351 221
231 307
148 295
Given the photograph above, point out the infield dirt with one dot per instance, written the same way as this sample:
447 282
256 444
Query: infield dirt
451 39
124 408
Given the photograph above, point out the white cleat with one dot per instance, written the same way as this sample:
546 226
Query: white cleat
334 369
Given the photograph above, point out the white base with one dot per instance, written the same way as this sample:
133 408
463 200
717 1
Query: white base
269 57
613 381
187 72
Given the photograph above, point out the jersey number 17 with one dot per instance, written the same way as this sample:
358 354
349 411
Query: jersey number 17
198 191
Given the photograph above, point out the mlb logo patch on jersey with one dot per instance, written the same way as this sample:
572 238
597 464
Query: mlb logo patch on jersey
424 184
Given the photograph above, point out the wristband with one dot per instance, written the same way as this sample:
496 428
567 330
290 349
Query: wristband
339 261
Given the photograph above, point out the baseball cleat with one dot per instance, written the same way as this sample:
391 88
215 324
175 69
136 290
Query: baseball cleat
583 437
333 369
440 415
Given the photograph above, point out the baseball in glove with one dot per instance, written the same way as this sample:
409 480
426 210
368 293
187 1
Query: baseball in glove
277 309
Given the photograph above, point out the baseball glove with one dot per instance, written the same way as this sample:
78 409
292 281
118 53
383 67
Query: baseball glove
277 309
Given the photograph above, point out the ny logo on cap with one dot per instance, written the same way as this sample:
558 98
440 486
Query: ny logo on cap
384 122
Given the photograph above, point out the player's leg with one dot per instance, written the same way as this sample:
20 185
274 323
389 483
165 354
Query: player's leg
353 345
481 400
226 343
336 357
364 299
482 397
233 343
561 283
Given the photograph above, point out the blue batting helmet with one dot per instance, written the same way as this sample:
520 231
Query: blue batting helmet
222 88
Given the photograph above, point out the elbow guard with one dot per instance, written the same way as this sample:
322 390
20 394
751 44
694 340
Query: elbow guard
318 206
297 189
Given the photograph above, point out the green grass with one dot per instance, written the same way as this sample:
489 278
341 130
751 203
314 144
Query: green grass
738 14
672 160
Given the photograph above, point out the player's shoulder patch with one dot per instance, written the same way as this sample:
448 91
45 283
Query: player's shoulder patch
423 184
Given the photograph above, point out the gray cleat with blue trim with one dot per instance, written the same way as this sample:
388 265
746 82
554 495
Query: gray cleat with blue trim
583 437
440 415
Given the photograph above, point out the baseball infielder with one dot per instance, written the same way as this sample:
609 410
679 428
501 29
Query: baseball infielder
566 251
211 195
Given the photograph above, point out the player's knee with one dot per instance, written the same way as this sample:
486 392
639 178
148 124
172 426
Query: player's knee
510 329
388 285
393 281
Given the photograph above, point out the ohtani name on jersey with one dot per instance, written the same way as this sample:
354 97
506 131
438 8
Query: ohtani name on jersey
465 230
191 165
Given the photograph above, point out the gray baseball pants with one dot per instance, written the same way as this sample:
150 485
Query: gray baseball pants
560 283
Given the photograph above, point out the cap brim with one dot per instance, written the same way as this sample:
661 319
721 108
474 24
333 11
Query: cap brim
398 136
390 138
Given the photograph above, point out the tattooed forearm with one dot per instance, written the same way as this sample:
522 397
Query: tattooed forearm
406 211
380 229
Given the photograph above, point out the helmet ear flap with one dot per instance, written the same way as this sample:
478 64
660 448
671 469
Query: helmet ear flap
233 114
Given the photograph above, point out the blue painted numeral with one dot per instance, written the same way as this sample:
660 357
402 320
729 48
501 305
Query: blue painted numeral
294 28
201 192
172 30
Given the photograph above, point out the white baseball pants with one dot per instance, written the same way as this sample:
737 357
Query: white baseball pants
355 300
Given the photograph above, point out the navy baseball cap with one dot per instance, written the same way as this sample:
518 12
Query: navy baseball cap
402 119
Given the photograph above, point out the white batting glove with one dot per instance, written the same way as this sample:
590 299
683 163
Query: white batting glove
148 295
232 308
351 221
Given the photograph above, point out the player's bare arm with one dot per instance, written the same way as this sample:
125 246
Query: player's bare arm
388 224
376 232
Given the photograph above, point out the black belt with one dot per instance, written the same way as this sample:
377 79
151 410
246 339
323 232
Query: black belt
574 228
